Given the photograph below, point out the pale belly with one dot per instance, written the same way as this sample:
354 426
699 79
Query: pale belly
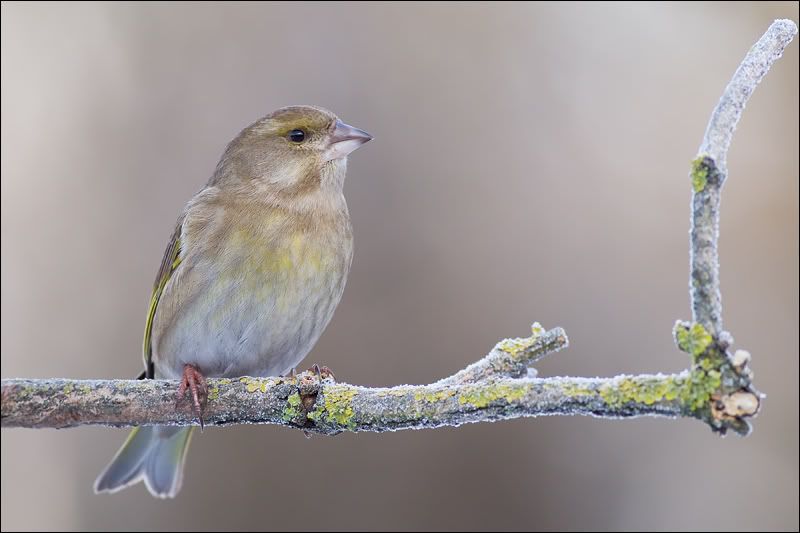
247 315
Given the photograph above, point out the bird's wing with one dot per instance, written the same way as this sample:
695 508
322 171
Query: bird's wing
171 260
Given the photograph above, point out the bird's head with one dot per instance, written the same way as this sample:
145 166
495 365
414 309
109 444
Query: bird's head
293 150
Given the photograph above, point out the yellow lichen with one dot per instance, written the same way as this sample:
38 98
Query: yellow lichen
574 390
255 384
514 347
292 409
482 395
693 390
693 339
698 389
647 392
336 406
213 393
699 174
432 397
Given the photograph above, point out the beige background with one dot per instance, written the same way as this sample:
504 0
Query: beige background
530 163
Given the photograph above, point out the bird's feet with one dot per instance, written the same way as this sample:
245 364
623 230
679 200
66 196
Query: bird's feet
292 374
194 381
322 372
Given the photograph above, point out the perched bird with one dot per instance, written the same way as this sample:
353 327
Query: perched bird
251 277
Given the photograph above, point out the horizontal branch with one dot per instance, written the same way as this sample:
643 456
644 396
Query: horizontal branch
312 403
325 407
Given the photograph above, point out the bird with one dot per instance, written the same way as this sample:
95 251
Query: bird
250 279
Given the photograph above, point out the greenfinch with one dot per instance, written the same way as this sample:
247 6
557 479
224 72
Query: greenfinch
250 278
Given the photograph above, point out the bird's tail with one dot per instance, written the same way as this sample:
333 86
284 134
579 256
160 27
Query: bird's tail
155 454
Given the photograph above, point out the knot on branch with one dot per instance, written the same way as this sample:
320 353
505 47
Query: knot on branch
302 399
719 389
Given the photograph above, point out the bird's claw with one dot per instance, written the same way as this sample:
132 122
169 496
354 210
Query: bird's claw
194 381
322 372
292 374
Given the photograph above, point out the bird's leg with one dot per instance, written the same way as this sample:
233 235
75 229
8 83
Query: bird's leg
322 372
292 374
194 381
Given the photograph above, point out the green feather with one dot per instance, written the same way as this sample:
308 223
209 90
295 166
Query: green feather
169 263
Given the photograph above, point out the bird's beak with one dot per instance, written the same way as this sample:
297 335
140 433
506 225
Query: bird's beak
344 139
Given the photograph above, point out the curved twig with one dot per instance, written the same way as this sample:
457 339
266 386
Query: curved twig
709 171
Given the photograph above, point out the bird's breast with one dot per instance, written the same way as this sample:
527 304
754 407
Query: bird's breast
259 305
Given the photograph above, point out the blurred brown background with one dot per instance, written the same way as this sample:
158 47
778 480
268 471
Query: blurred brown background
530 163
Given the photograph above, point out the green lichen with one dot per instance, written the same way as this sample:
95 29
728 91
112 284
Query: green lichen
693 339
573 390
68 388
254 384
85 389
698 388
699 174
693 389
647 392
514 347
520 345
706 363
433 397
213 393
485 394
292 409
705 377
336 406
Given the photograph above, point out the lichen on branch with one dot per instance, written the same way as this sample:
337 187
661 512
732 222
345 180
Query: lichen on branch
307 402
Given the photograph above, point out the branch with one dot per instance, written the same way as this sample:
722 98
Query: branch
322 406
512 357
716 388
709 171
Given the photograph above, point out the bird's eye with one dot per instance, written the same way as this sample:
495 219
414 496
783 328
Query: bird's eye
297 136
